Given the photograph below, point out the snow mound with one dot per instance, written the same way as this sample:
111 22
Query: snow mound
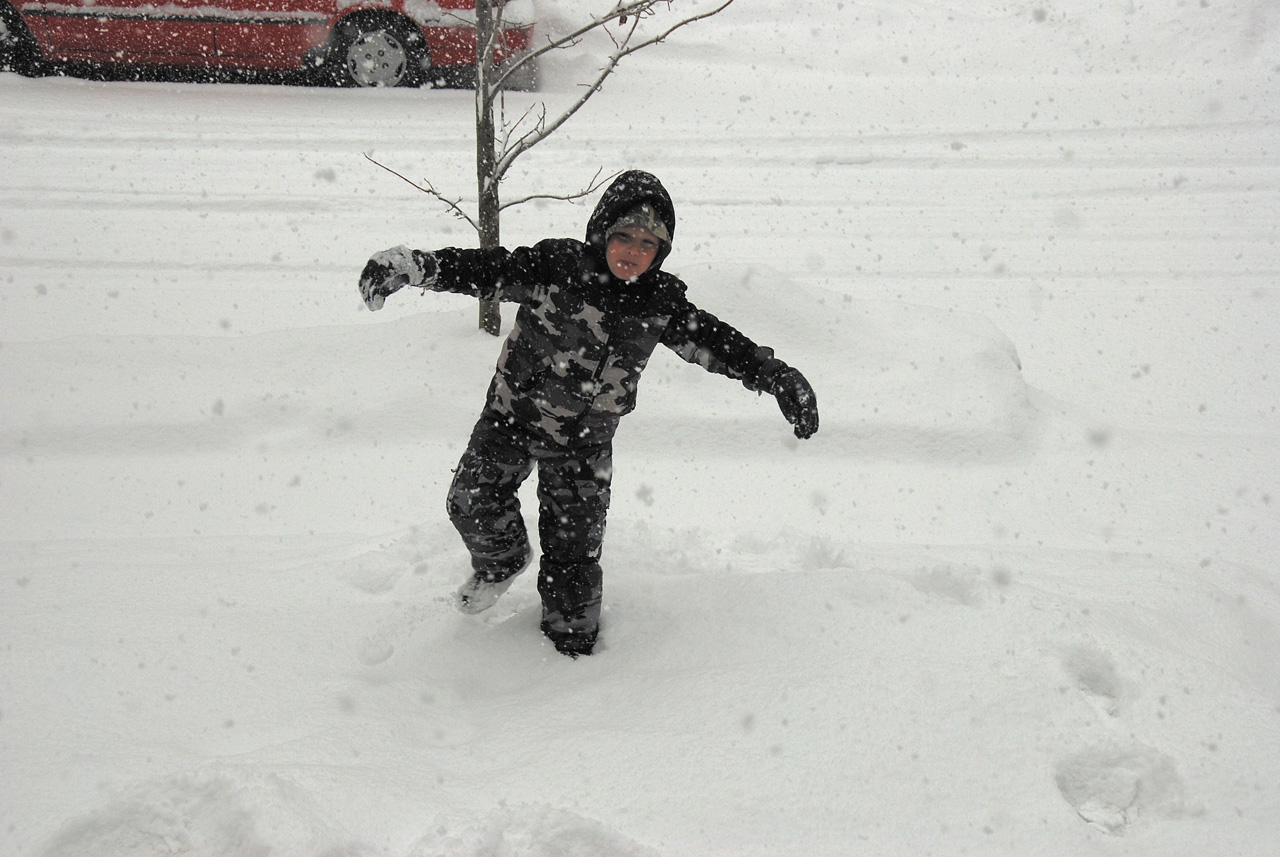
528 831
218 811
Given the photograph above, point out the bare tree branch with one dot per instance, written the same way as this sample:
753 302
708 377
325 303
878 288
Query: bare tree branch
629 13
509 129
595 184
624 10
453 205
624 48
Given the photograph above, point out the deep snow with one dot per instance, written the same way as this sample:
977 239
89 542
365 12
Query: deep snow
1018 596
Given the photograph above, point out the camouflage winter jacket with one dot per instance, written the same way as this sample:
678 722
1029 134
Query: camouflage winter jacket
571 365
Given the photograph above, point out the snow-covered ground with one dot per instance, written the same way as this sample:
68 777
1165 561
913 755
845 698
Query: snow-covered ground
1019 596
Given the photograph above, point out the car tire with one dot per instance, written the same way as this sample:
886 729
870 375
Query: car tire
368 52
18 49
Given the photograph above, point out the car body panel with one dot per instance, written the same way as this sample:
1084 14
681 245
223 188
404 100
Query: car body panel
271 30
122 31
252 34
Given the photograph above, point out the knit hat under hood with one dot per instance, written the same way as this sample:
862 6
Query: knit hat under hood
644 216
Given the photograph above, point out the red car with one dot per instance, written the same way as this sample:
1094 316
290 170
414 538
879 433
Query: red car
348 42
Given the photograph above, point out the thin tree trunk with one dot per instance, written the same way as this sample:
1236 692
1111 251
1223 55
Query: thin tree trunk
490 312
486 158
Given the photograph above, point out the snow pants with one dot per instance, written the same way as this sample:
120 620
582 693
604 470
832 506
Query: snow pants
573 497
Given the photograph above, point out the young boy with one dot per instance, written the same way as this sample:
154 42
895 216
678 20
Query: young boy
590 315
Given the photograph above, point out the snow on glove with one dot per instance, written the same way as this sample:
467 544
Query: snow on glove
795 397
389 271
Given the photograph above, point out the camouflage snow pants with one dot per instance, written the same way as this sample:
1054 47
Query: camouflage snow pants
573 497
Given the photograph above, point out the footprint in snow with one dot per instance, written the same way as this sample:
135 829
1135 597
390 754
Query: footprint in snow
960 585
379 646
1096 674
1112 786
375 572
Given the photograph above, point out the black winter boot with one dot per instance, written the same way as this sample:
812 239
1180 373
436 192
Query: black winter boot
571 605
571 643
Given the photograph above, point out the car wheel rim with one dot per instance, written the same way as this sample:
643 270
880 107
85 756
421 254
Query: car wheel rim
377 59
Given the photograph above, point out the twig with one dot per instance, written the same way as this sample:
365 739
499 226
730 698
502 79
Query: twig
452 204
623 48
595 184
624 9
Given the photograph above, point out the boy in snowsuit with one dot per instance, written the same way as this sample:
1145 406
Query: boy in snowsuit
590 316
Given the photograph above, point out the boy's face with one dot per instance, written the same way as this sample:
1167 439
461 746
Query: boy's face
630 251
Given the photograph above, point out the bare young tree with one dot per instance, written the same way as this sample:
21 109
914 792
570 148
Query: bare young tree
630 25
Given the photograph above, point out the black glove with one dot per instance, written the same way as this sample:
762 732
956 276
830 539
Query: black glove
795 397
389 271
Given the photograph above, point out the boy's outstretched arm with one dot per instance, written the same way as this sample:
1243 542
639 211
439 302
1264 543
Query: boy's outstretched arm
493 274
388 271
699 337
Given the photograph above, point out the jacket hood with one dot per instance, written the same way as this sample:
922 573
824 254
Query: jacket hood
627 191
